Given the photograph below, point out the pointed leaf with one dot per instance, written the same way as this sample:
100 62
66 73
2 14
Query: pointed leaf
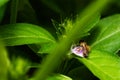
22 33
104 65
107 35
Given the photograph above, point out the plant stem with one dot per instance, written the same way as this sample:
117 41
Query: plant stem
14 7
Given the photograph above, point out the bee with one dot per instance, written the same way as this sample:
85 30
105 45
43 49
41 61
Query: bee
82 49
85 47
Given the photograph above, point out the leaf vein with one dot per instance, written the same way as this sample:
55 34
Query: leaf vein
105 38
37 37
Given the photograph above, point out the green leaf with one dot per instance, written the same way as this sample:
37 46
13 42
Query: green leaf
107 34
104 65
22 33
59 77
4 62
2 2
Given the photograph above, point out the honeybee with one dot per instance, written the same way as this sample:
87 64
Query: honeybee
85 47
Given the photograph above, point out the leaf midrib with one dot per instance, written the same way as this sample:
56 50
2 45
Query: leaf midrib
28 37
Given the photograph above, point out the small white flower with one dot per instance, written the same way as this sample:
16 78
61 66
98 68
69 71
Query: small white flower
77 50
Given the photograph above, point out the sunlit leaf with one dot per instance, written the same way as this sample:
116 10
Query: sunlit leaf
22 33
104 65
107 34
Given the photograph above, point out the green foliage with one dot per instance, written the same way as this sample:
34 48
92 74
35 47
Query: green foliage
22 33
107 38
104 65
60 51
2 2
29 62
23 30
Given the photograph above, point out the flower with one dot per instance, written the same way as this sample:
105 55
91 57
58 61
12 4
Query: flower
78 50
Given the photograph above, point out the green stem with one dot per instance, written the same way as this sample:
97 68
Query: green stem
14 7
62 48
